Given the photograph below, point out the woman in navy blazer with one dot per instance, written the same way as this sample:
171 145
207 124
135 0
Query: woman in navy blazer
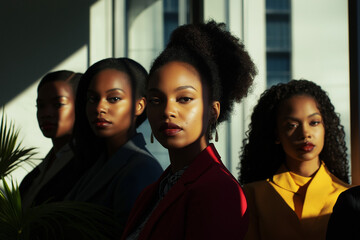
110 106
202 69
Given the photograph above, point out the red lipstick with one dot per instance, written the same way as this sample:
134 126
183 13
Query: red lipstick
307 147
101 123
169 129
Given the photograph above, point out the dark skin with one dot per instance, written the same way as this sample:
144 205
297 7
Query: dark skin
56 112
109 108
300 123
180 113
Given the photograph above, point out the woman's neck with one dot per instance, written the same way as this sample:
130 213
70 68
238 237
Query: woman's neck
114 144
181 157
58 143
303 168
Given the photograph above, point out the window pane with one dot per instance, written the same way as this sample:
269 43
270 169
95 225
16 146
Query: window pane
277 5
277 33
278 68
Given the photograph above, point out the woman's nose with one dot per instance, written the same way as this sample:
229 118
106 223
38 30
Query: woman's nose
169 110
46 111
101 107
305 132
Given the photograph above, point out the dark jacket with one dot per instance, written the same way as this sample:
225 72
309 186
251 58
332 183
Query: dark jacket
344 222
116 182
55 185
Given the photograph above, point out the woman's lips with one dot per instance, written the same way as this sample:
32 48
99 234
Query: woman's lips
101 123
307 147
169 129
47 126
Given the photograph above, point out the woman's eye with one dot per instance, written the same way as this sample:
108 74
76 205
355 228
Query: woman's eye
154 101
185 99
314 123
114 99
91 99
292 125
58 105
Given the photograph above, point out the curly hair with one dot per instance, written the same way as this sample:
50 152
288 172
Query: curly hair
88 146
219 57
261 157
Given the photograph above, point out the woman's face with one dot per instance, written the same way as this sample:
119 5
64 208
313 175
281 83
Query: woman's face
300 129
109 104
178 106
56 109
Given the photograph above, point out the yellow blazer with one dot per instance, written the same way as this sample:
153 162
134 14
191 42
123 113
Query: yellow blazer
271 206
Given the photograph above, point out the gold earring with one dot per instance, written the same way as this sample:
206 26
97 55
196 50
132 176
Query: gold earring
216 135
152 138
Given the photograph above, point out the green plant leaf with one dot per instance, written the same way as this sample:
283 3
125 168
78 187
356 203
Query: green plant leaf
12 155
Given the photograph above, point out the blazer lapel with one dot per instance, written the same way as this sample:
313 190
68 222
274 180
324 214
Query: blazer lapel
200 165
101 174
174 193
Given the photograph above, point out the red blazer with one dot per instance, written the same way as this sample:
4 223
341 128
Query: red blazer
206 203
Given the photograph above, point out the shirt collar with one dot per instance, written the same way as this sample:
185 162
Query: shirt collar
284 179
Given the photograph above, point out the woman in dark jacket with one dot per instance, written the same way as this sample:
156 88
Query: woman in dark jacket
55 176
110 106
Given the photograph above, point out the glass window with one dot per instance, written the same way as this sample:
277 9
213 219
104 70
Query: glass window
278 41
278 32
277 68
277 5
171 17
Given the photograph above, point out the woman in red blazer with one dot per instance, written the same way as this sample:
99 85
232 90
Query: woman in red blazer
202 68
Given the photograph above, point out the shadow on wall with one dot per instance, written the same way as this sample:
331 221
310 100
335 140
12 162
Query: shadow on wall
35 37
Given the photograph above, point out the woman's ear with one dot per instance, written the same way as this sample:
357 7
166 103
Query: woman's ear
215 110
140 106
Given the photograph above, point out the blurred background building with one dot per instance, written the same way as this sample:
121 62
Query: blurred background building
287 39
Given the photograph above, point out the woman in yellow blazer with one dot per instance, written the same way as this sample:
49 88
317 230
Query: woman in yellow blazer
294 163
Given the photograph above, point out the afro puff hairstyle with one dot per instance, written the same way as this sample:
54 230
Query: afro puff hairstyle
261 157
219 57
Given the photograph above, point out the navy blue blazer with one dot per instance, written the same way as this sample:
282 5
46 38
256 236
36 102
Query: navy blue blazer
116 182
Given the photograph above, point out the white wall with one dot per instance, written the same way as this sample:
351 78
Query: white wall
21 109
246 20
320 50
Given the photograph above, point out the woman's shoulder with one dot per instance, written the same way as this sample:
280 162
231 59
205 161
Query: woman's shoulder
337 183
258 187
256 184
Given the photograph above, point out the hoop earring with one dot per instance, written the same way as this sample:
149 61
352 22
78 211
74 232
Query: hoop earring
152 138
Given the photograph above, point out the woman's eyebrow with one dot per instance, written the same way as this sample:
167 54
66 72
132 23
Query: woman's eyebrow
296 119
110 90
115 89
185 87
53 98
176 89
